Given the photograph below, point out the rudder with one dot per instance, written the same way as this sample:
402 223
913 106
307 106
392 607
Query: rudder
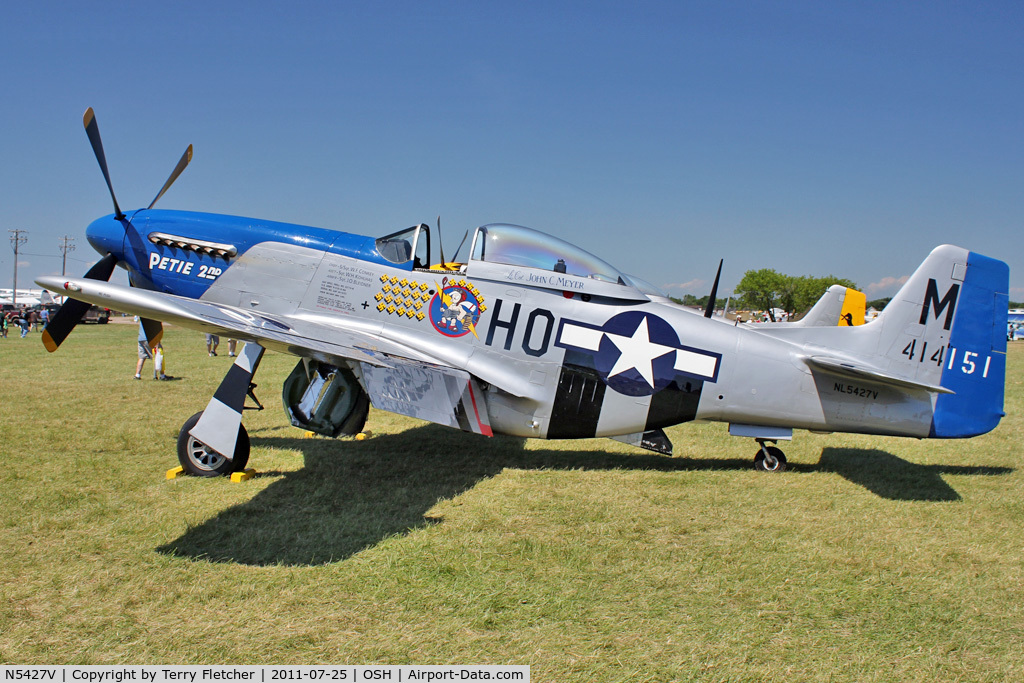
975 365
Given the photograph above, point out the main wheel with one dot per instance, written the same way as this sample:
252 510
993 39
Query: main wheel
760 462
200 461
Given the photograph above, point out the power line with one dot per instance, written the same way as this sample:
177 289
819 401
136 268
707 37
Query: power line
69 258
65 247
16 241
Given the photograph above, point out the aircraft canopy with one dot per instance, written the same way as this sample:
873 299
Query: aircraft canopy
514 245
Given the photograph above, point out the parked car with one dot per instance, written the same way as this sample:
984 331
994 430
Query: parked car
95 314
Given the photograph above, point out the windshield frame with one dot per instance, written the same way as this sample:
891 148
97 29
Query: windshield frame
420 236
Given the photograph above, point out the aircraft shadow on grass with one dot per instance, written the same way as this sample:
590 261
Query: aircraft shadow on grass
353 495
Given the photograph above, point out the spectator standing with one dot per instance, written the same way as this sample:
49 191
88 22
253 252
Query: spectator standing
212 341
144 351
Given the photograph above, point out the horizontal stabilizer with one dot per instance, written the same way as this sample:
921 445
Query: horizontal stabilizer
844 368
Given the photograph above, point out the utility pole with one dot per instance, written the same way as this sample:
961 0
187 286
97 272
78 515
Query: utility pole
65 247
16 241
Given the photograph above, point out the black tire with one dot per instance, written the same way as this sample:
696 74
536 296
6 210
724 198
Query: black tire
780 460
199 461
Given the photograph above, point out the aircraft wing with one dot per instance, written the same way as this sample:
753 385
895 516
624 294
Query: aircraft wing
282 333
397 378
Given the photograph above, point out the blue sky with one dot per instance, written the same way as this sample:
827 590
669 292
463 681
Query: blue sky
811 137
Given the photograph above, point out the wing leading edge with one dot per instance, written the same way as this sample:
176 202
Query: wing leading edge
282 333
397 378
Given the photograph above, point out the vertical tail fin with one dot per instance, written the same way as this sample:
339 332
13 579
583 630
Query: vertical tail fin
946 326
839 305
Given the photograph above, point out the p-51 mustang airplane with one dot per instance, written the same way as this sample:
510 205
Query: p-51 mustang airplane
532 337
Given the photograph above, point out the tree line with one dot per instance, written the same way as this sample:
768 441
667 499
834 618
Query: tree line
766 289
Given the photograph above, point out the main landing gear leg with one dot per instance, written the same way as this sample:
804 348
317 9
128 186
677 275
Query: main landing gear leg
769 458
214 442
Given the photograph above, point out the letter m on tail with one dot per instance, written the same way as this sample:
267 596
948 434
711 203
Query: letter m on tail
932 302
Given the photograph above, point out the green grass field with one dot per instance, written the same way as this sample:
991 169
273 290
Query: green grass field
873 559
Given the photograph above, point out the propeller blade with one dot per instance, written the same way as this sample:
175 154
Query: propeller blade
102 269
92 129
709 311
182 163
68 315
154 330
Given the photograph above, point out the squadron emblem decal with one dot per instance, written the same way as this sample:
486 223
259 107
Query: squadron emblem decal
456 307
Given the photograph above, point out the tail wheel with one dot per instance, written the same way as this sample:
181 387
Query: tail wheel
200 461
765 465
